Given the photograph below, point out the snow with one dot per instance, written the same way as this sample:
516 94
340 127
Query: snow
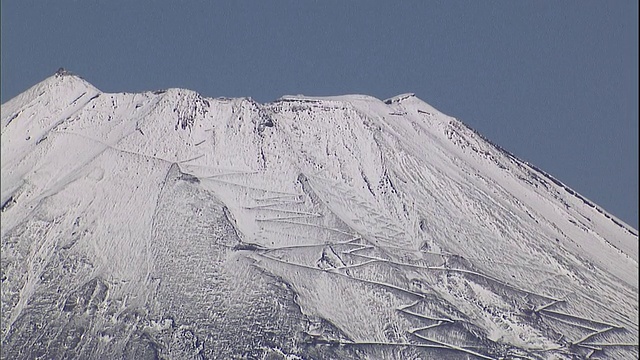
384 226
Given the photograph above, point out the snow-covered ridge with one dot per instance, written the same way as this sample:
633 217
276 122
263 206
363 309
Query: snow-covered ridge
341 98
174 224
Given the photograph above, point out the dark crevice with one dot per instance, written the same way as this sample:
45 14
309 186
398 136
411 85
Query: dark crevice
7 204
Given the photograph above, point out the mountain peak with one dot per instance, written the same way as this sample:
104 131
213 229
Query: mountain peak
170 225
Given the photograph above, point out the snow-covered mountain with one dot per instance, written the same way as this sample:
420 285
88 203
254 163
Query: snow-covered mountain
168 225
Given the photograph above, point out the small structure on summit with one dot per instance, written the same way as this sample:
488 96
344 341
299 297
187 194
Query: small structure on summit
62 72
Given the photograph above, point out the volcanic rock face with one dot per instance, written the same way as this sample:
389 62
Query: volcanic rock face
166 225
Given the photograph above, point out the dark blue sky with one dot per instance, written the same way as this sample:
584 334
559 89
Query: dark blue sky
554 82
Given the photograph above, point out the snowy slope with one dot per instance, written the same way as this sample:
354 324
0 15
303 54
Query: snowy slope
170 225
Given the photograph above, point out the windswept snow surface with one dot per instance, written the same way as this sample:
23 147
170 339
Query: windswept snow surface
169 225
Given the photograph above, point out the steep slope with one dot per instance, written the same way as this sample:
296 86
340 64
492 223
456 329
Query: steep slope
169 225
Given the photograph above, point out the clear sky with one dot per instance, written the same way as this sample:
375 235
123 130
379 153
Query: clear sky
554 82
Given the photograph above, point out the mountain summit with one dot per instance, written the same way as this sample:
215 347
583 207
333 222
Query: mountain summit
168 225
